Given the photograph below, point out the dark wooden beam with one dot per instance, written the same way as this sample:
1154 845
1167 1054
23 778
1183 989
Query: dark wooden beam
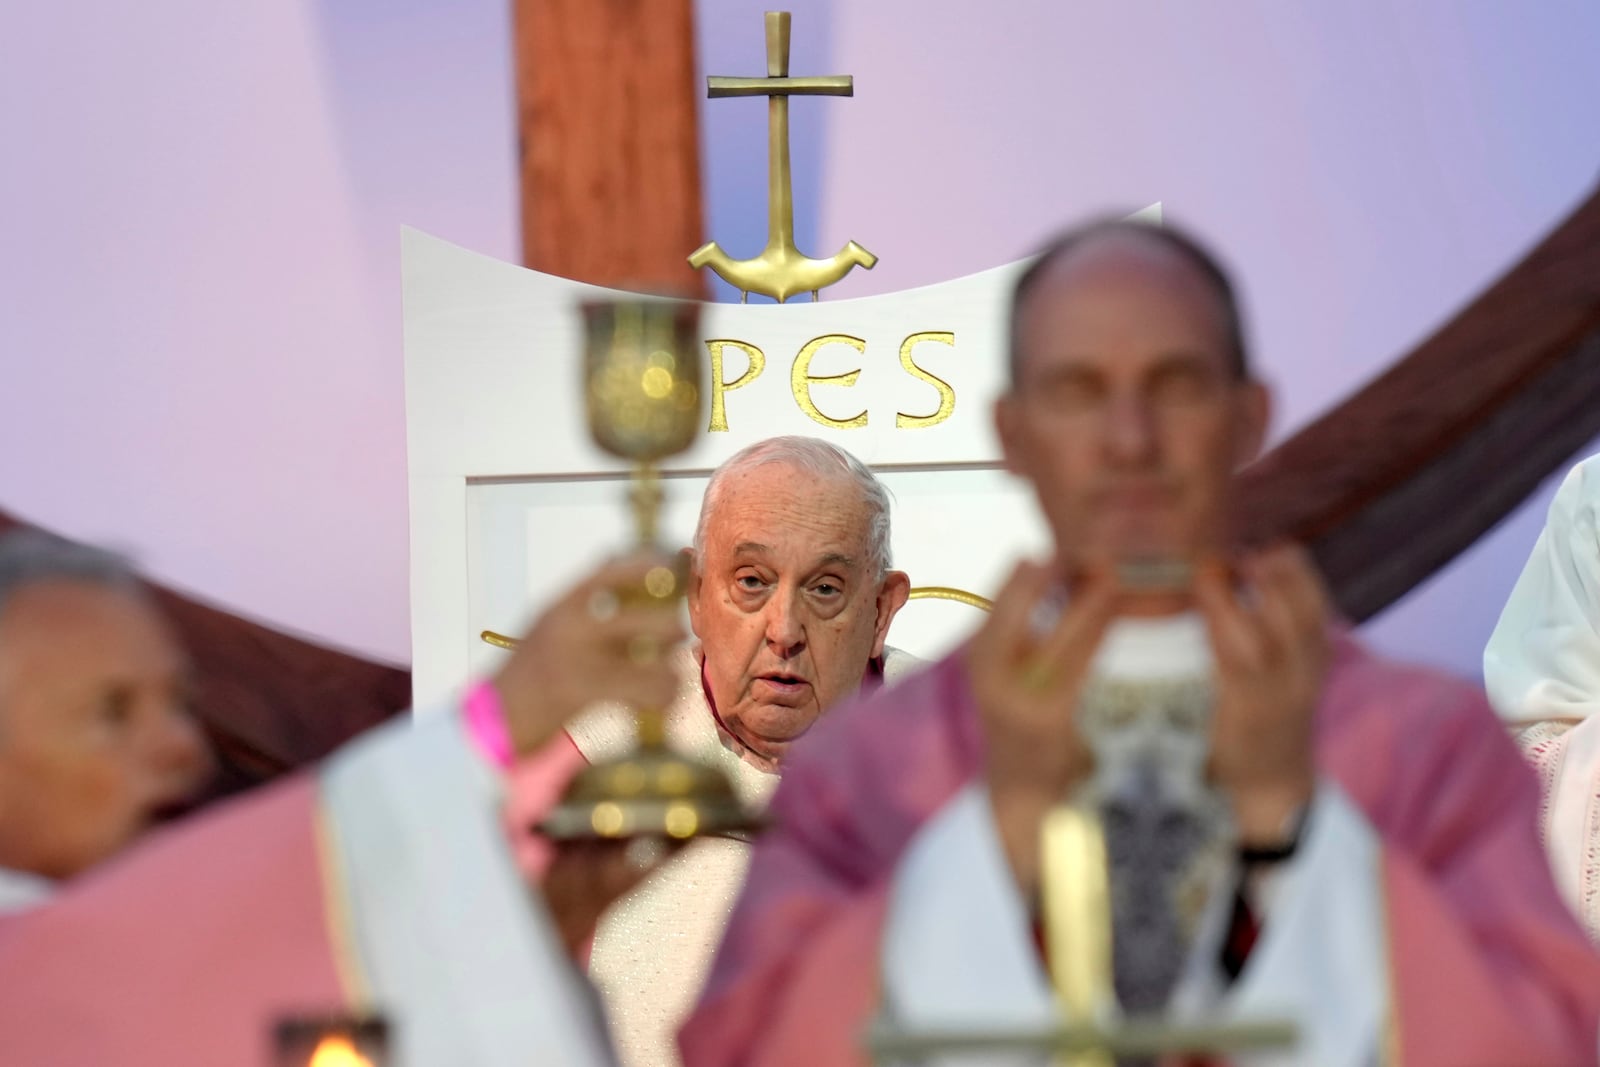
1396 481
610 143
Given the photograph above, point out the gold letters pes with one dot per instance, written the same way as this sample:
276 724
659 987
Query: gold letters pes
802 381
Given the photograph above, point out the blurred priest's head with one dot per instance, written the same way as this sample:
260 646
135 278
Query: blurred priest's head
792 592
1132 401
96 742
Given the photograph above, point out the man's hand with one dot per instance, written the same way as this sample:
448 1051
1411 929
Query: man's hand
1271 646
600 642
1026 685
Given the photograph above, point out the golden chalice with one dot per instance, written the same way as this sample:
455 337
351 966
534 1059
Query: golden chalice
643 386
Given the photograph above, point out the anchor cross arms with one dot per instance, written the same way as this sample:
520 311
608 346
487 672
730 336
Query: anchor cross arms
818 85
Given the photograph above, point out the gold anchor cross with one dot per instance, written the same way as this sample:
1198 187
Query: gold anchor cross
781 270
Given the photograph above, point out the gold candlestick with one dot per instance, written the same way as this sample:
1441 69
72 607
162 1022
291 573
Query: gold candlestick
643 389
1075 897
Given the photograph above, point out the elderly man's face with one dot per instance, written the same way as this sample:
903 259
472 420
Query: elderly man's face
786 603
95 741
1126 415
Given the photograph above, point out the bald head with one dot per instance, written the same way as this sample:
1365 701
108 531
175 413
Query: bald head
1131 404
1112 251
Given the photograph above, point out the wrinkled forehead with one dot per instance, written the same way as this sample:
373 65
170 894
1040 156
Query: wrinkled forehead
790 513
86 628
1120 297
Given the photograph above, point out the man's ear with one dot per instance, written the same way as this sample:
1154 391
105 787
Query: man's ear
892 596
1252 415
1006 417
691 597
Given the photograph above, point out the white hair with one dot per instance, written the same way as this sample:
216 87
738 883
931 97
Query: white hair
29 556
815 457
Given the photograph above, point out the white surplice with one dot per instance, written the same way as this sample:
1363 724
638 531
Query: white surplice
449 939
1542 671
959 949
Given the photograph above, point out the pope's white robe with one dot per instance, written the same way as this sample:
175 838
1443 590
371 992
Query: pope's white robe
653 948
1542 670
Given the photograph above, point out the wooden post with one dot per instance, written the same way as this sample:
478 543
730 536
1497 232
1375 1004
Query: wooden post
610 147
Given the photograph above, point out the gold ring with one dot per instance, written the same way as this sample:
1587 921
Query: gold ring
1036 677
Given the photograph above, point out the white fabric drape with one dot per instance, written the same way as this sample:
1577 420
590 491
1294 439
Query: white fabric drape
958 948
450 941
1542 671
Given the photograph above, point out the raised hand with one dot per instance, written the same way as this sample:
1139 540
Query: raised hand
1026 683
1270 641
597 643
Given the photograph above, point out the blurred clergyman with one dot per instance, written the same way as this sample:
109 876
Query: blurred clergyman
791 597
1383 885
96 741
381 880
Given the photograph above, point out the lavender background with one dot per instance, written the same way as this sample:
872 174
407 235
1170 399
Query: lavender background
200 208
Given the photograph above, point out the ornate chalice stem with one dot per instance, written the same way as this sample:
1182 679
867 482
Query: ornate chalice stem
644 495
643 389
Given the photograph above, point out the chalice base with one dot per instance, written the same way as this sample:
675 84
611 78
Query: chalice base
651 792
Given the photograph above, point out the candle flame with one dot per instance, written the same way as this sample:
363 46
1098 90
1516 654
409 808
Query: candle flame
336 1050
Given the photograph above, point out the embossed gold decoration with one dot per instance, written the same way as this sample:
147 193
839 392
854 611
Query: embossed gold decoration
921 592
947 592
947 392
781 270
801 380
489 637
644 389
720 386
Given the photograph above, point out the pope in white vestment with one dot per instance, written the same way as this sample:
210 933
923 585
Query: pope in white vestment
652 950
791 597
1542 670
